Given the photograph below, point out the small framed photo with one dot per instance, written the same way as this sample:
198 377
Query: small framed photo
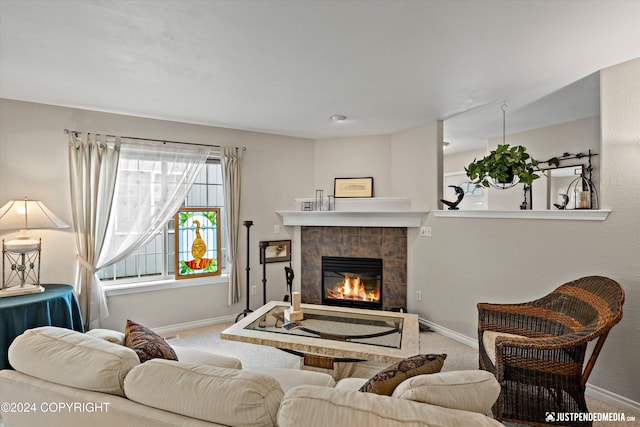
275 251
197 243
353 187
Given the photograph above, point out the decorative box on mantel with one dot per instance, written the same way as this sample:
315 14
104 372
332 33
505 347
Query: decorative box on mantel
358 212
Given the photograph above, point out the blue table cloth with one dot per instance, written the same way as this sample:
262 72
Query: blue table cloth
56 306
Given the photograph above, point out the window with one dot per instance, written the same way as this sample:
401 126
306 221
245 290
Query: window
155 261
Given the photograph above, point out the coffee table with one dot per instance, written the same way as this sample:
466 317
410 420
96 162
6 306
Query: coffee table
331 338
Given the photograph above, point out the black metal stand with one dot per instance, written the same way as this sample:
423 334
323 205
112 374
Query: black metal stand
247 310
263 248
289 274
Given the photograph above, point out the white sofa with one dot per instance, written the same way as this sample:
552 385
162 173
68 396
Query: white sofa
66 378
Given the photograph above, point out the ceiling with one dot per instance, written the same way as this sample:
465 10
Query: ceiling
284 66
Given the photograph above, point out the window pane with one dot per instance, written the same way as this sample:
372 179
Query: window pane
106 273
211 196
202 176
148 258
219 196
197 196
120 268
147 265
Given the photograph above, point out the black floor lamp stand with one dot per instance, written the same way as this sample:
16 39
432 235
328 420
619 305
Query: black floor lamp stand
247 310
263 258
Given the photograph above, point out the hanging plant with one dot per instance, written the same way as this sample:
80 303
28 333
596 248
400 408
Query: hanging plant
503 167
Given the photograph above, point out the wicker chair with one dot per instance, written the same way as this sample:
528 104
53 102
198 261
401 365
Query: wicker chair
537 349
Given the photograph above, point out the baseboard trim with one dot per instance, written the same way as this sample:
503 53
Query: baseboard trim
174 329
456 336
627 406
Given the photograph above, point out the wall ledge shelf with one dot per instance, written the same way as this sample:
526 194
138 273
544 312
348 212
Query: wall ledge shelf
576 215
353 218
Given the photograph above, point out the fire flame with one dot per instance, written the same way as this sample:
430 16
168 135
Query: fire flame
353 288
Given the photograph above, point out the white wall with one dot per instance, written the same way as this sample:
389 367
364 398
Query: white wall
416 159
456 162
617 241
33 163
400 163
496 260
352 158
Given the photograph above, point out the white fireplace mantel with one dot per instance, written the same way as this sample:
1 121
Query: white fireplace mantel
353 218
366 212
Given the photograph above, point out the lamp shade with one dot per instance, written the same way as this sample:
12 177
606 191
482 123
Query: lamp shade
28 214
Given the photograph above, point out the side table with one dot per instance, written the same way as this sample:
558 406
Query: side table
56 306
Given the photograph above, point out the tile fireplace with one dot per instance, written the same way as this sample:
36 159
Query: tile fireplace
388 244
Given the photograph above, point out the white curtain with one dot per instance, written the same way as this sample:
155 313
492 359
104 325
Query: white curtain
230 158
93 167
153 181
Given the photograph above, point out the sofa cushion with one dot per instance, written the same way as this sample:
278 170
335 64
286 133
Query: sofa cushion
220 395
71 358
474 390
115 337
146 343
290 378
325 406
489 342
353 384
385 381
201 357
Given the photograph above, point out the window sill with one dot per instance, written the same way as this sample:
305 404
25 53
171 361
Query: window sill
578 214
159 285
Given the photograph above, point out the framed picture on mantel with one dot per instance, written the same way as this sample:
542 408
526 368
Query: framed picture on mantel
353 187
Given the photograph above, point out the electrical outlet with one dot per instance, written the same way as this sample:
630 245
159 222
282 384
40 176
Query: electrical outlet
425 231
276 229
419 295
254 290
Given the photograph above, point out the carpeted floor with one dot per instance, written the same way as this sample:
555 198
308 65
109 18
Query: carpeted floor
459 357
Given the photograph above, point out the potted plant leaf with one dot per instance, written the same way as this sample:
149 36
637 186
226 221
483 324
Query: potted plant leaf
504 167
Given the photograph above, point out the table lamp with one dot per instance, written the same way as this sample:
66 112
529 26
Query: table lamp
21 256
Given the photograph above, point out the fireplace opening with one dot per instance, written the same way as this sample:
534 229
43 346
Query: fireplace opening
352 282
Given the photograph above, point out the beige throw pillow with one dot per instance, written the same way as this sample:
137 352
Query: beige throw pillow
473 390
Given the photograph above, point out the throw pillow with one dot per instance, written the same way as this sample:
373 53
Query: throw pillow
146 343
385 381
471 390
